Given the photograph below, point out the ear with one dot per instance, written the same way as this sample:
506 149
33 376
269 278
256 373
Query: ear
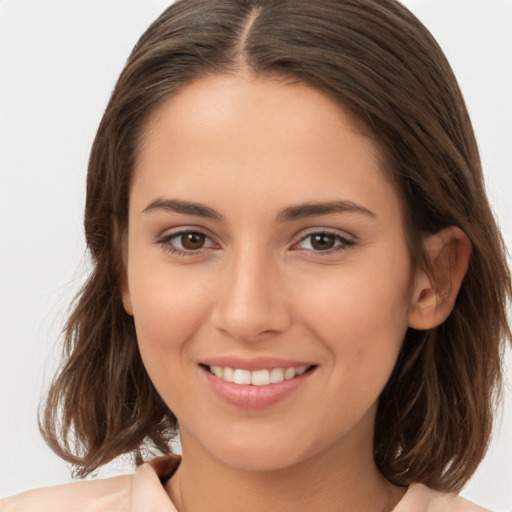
125 294
122 242
434 294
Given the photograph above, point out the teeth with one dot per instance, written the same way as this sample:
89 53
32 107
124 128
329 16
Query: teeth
276 375
228 375
258 377
217 371
242 377
289 373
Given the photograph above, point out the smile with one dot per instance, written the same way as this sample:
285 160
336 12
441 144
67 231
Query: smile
262 386
258 377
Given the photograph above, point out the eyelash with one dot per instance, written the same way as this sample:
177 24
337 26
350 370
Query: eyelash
344 244
165 242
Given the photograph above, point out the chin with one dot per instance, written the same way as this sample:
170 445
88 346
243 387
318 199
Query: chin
260 458
262 453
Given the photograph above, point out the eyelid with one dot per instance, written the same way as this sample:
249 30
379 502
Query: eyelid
165 240
347 239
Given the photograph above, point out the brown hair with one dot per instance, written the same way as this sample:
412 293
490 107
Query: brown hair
375 58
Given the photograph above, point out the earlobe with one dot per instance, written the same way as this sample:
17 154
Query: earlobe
124 288
125 295
434 294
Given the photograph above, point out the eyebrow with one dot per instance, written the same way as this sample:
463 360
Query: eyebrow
288 214
317 209
185 207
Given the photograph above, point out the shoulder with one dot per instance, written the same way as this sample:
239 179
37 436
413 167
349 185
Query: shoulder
110 494
420 498
141 491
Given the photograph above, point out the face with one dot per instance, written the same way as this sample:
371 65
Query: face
266 246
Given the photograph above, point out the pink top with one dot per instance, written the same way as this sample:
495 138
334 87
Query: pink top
144 492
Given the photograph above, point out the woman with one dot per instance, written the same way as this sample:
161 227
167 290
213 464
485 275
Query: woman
290 233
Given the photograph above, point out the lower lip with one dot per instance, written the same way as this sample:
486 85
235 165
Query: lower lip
254 397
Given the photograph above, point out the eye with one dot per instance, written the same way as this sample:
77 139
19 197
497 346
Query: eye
192 241
324 241
185 242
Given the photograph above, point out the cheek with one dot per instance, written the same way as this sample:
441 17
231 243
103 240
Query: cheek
168 312
169 309
362 324
361 316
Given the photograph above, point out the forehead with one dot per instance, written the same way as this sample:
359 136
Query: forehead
265 137
225 102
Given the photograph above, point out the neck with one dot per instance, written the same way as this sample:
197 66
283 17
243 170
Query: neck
338 480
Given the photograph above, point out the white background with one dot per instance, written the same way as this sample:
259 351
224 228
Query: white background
59 60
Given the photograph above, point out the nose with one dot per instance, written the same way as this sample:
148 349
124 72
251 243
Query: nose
252 302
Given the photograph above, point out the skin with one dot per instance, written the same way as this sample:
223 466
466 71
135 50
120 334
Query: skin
249 148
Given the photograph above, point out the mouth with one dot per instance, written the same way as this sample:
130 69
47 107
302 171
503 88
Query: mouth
257 388
262 377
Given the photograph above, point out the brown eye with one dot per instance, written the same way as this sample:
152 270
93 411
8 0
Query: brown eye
192 240
187 243
322 241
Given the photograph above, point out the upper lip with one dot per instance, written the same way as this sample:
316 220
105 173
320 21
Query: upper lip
253 364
